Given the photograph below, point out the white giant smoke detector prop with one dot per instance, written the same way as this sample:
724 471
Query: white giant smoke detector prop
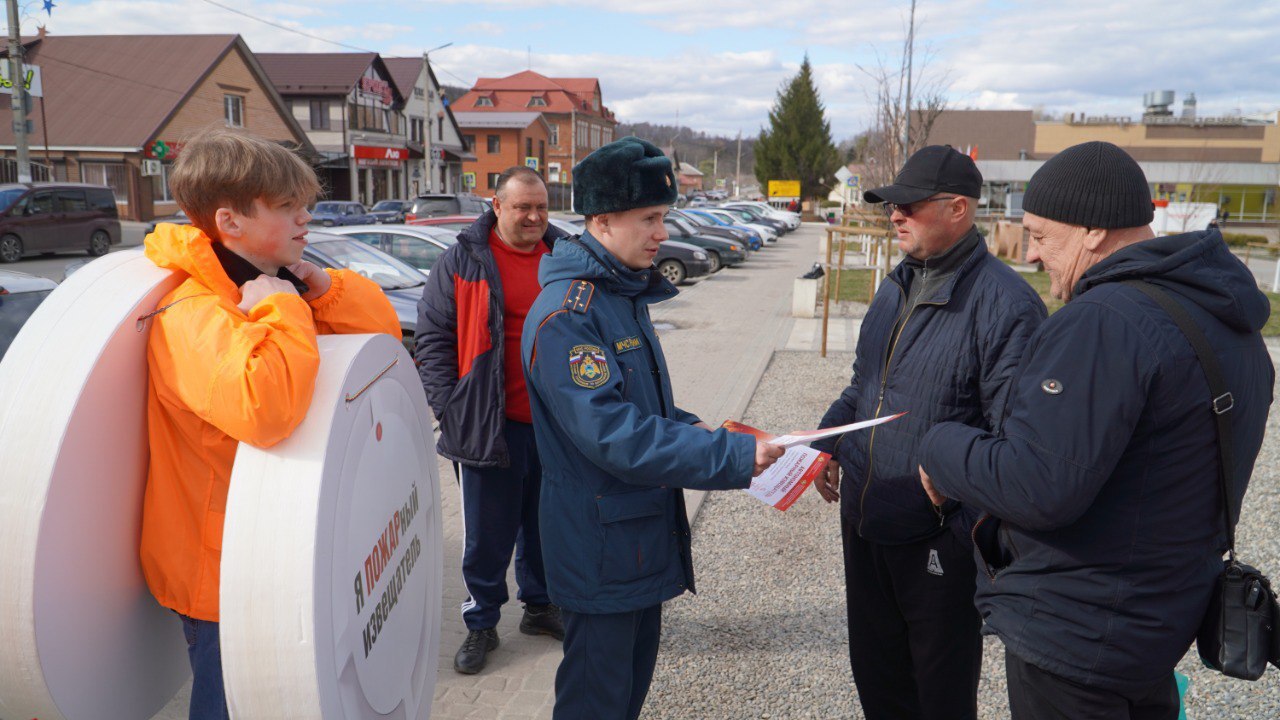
331 550
80 635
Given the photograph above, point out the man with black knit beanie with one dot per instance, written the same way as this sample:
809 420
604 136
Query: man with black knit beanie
1103 531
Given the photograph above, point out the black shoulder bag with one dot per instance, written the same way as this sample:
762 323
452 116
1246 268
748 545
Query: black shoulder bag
1238 635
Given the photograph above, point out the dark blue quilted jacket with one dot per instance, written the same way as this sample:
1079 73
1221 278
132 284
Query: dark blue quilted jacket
952 361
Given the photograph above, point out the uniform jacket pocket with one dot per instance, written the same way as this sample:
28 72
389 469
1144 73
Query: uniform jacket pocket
638 531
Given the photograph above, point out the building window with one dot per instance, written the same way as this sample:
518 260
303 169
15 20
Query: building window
110 174
320 115
160 184
439 128
537 101
493 180
495 144
528 147
555 136
233 109
469 141
483 101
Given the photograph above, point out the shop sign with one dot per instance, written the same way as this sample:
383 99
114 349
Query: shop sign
374 156
380 89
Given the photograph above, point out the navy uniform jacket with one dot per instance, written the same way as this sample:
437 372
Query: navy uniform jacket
615 449
1105 534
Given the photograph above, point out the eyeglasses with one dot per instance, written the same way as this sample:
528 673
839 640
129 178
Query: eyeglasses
907 209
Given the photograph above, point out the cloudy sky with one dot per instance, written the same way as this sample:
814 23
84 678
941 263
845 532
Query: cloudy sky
717 64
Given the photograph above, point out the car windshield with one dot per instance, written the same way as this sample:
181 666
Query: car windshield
436 206
14 311
696 219
387 205
326 208
388 272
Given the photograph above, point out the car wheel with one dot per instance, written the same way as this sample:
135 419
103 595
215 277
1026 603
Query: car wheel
99 243
714 258
672 270
10 249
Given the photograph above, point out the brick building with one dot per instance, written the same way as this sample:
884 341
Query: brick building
500 140
112 101
573 108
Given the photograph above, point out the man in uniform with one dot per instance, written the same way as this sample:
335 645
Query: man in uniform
616 450
941 341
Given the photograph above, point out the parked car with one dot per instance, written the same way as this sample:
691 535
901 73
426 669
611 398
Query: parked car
390 211
340 212
752 215
440 204
401 282
710 227
454 223
20 295
569 227
178 218
766 233
48 217
417 245
791 219
680 261
721 253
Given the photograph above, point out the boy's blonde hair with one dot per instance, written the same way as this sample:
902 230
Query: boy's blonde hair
221 167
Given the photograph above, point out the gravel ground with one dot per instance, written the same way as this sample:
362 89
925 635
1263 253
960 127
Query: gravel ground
765 637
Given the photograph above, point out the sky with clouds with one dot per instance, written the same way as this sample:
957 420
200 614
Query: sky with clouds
717 65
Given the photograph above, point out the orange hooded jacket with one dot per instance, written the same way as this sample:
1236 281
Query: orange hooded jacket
220 377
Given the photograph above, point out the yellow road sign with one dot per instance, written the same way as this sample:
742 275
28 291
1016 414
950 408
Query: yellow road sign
784 188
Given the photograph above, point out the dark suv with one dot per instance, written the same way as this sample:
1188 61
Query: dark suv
425 206
47 217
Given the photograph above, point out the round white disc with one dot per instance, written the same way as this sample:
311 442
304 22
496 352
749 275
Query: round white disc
80 635
331 554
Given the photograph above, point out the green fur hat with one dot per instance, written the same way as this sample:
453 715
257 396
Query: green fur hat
623 175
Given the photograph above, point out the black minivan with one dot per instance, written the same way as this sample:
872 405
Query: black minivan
48 217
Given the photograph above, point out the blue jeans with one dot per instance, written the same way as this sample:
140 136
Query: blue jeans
208 698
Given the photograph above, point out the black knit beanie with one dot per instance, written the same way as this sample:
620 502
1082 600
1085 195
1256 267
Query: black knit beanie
1094 185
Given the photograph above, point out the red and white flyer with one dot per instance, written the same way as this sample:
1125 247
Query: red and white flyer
786 480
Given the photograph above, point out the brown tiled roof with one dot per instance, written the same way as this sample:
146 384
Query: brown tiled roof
405 72
998 134
115 90
316 73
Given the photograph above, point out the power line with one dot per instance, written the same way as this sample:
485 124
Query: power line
286 27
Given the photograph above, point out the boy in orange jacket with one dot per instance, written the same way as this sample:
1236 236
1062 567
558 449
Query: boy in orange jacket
232 358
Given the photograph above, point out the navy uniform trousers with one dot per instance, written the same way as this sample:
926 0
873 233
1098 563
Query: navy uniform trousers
500 511
608 664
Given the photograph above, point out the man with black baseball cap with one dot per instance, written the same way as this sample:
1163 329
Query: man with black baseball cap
941 340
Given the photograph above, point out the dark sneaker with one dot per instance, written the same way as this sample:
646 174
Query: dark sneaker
542 620
471 656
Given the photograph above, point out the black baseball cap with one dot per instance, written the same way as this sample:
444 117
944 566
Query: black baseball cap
931 170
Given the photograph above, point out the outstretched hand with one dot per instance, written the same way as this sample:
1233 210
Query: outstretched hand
766 455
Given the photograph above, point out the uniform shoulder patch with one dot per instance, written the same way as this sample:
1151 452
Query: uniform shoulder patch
578 296
588 366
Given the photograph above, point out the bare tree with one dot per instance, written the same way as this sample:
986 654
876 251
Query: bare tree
890 84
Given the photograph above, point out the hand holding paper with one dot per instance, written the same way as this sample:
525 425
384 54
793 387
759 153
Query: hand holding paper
782 477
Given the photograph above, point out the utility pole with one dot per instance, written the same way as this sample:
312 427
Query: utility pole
906 122
18 103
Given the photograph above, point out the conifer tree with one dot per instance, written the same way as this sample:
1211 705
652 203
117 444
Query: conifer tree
797 144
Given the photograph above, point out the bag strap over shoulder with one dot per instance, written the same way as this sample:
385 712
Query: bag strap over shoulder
1222 398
